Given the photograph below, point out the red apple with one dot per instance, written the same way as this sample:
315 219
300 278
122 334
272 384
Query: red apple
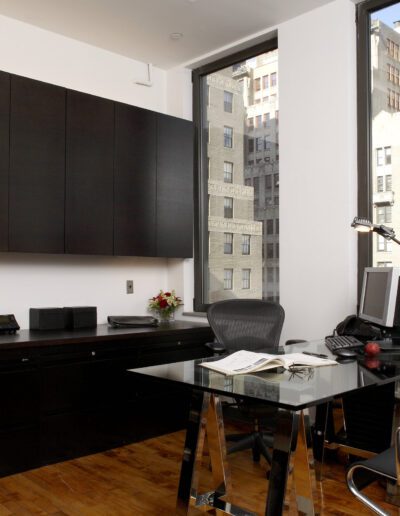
372 348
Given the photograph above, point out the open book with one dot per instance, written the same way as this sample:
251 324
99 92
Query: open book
243 361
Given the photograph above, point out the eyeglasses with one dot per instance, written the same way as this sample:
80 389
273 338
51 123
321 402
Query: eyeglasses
300 371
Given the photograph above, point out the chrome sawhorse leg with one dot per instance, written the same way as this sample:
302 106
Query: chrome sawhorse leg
295 450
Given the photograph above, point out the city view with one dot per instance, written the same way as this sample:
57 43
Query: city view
241 130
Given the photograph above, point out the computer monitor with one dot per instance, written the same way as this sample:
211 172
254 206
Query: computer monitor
380 303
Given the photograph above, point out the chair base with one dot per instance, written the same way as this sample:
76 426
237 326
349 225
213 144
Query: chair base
258 442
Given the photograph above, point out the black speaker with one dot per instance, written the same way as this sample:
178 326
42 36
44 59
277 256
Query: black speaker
46 319
80 317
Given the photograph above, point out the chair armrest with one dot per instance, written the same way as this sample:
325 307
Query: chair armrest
294 341
216 347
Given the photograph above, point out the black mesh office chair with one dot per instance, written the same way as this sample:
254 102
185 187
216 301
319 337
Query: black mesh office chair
362 473
254 325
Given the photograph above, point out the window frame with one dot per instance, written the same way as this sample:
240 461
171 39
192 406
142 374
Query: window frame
200 158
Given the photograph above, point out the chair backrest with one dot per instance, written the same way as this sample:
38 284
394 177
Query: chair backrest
250 324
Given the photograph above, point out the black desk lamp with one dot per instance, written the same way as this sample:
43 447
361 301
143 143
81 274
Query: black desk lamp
364 226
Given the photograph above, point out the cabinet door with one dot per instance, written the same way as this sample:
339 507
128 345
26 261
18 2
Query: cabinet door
4 157
89 174
135 181
174 187
37 166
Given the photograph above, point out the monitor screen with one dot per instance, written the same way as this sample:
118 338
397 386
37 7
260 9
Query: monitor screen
378 301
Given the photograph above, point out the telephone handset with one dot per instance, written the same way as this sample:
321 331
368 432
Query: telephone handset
356 327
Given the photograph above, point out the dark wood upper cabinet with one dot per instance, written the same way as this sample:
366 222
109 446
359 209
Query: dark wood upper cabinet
135 181
4 157
89 174
37 166
174 187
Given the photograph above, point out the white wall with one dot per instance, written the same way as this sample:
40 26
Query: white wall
318 201
29 280
318 174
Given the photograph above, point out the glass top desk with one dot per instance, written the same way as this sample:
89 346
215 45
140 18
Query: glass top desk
295 448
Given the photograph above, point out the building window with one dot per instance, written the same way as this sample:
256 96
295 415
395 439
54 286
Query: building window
228 101
276 180
268 182
384 214
228 243
245 200
245 278
228 172
270 274
388 182
270 250
277 226
228 207
228 279
388 155
270 227
245 244
383 245
273 79
379 183
228 137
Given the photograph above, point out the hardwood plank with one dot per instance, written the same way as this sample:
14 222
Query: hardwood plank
142 479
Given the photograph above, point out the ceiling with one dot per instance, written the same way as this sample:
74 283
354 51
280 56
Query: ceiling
140 29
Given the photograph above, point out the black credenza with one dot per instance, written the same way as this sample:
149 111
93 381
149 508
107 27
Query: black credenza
67 394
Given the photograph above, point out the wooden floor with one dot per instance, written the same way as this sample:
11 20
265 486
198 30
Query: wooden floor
141 479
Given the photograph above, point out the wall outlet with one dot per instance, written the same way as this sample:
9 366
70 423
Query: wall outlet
129 286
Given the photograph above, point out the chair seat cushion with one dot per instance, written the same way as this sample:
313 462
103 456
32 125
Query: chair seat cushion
384 463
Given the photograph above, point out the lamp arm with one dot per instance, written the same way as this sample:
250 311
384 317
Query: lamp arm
386 232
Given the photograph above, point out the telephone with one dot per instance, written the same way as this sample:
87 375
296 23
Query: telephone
8 324
353 325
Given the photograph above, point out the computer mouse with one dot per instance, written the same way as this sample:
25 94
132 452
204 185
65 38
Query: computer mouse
345 353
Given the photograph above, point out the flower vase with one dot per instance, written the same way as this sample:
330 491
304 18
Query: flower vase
165 316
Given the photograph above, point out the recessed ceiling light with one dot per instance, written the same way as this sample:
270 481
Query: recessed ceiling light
176 35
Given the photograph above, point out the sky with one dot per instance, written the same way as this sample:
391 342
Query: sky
388 15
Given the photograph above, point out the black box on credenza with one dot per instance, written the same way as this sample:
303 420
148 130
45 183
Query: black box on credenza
46 319
80 317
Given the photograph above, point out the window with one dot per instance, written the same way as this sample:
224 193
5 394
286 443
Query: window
277 226
243 200
273 79
228 101
245 278
228 243
228 172
384 214
270 250
270 274
228 207
228 279
267 143
379 138
276 180
228 136
246 244
270 227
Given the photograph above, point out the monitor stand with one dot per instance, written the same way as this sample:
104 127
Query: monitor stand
391 340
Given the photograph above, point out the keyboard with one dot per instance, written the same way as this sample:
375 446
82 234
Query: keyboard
341 342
